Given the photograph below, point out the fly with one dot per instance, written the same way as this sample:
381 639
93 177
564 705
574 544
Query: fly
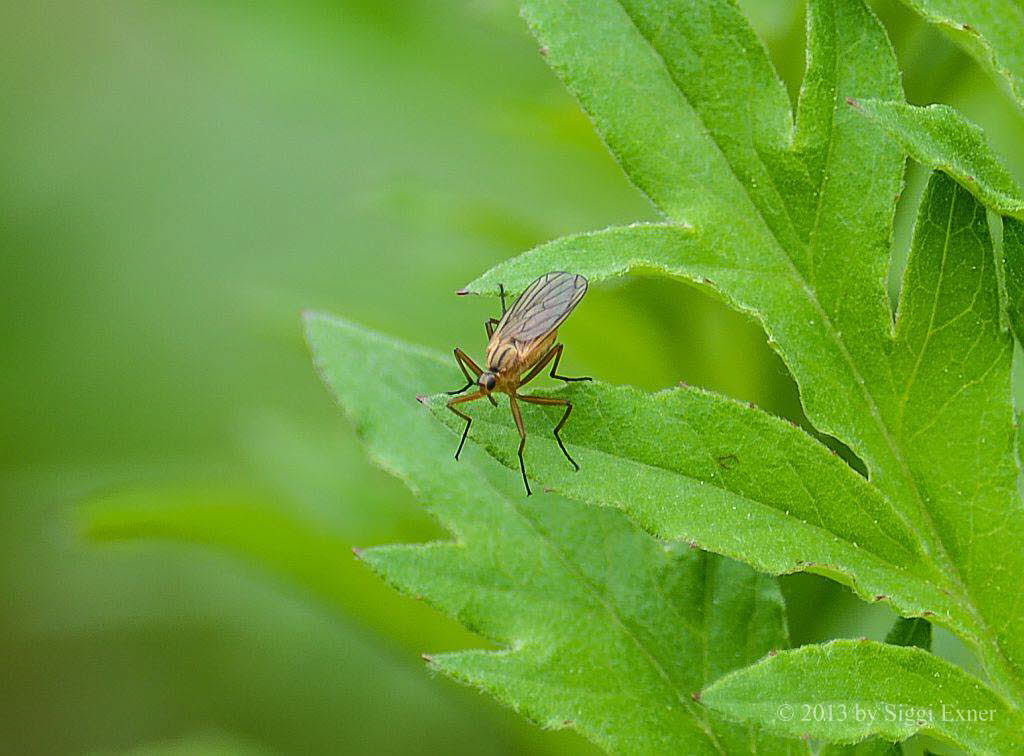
521 345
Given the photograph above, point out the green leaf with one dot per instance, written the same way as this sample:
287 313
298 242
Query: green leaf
924 402
954 420
911 631
940 137
989 30
689 465
606 630
845 691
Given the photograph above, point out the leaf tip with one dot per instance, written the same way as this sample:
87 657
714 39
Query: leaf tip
427 658
357 552
462 292
422 398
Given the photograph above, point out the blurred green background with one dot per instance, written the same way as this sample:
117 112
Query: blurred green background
180 179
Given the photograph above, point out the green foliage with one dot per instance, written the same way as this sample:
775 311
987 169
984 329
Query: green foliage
605 629
686 464
845 690
788 218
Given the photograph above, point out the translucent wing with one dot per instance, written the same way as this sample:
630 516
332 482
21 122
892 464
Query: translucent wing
540 309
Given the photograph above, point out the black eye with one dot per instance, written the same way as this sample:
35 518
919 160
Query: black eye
489 382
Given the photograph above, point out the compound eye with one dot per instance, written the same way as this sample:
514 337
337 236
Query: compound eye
489 382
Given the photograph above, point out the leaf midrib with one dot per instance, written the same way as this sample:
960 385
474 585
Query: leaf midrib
932 542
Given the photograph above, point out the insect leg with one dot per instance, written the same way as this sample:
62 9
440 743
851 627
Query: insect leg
553 374
568 408
522 438
501 292
463 359
490 324
464 416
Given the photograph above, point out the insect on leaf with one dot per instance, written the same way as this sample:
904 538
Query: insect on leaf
603 628
924 401
789 218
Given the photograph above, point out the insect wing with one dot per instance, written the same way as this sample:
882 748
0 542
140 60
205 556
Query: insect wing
540 309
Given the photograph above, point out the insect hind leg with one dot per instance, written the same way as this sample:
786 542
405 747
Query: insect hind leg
554 371
551 401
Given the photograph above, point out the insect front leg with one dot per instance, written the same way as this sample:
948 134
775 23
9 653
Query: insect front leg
522 438
464 416
463 359
550 401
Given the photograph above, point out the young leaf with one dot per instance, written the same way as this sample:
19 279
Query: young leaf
845 691
924 402
607 630
990 30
